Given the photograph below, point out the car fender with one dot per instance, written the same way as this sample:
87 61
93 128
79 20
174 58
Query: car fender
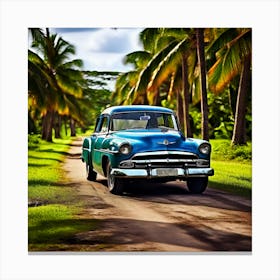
86 151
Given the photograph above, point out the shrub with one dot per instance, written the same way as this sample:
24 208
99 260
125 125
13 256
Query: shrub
223 150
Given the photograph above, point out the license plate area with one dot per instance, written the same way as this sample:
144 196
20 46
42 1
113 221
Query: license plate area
166 172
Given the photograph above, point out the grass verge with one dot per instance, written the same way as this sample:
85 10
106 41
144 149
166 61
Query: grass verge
235 177
233 167
55 220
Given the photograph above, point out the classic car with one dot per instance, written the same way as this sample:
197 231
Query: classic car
144 142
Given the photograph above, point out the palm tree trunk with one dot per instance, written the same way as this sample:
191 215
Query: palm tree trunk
47 126
203 91
239 131
31 124
180 109
57 125
187 126
232 99
72 127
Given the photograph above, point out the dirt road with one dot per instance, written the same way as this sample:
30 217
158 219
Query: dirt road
159 217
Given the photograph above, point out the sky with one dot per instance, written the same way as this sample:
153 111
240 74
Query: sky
102 49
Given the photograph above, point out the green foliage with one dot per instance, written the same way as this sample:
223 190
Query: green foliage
223 150
56 85
156 79
160 76
230 49
33 140
221 119
98 95
195 120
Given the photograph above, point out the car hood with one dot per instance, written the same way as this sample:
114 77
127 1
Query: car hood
158 140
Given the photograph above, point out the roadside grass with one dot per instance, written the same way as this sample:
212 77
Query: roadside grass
234 177
233 167
44 172
55 219
53 227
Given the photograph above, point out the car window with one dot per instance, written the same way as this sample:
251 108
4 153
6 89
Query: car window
142 120
165 120
97 125
102 124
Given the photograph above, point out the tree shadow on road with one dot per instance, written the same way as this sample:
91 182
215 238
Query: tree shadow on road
177 192
125 235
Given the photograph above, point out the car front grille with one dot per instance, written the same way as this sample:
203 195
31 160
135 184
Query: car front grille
162 159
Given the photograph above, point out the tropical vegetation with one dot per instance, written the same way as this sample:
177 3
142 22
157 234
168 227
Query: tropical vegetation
202 73
175 68
58 90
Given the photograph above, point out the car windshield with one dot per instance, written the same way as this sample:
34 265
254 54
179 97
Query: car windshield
143 120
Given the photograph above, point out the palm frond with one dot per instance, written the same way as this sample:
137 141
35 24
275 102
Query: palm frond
147 72
229 61
168 64
139 58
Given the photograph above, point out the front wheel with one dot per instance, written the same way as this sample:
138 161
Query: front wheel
115 185
197 185
91 175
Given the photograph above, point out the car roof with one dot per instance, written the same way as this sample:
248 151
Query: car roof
135 108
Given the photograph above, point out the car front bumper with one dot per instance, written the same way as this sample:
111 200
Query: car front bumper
162 173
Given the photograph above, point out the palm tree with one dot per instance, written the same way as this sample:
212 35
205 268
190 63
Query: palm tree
201 62
55 82
39 85
173 63
126 82
172 52
232 49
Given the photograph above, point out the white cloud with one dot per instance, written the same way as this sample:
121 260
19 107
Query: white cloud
102 49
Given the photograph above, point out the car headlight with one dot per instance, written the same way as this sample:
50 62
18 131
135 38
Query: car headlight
205 148
125 149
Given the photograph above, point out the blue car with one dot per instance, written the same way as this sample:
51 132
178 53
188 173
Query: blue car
144 142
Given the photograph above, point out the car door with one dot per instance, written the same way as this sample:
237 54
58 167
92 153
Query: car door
100 133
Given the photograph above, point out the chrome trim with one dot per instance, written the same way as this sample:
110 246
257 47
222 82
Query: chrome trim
166 142
194 172
164 153
208 145
89 145
106 151
127 164
129 173
145 173
198 162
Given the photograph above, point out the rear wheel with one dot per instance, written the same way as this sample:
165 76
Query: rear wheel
197 185
91 175
115 185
